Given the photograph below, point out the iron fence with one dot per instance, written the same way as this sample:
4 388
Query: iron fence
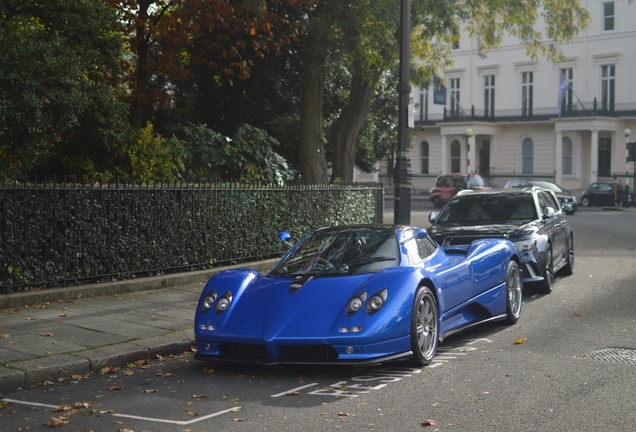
62 233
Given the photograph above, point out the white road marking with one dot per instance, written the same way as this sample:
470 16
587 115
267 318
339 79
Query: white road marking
180 423
177 422
31 403
294 390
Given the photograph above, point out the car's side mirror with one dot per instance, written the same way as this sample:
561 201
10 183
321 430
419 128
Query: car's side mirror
285 238
432 217
549 212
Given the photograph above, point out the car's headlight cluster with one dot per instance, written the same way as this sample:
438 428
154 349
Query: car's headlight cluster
375 303
526 245
220 304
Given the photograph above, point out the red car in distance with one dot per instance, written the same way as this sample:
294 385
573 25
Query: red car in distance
447 186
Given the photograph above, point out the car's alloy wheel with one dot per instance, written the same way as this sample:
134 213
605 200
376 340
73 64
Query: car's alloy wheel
548 272
424 327
585 202
514 293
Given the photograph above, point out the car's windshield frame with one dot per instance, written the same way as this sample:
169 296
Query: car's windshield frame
337 252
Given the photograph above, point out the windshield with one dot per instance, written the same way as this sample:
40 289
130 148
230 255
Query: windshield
337 252
547 185
476 181
479 209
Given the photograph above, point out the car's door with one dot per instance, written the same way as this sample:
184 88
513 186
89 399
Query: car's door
554 225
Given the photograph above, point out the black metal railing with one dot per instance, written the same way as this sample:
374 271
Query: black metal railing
62 233
580 109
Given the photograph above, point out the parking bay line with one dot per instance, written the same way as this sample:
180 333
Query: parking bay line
157 420
294 390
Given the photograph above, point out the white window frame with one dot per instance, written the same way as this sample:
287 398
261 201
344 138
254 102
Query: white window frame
489 95
608 86
609 18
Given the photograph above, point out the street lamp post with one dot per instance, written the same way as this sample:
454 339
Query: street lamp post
627 133
468 133
402 175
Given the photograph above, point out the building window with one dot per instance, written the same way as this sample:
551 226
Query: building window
424 157
527 156
454 96
566 98
489 95
527 80
608 84
567 156
423 108
456 155
604 156
608 16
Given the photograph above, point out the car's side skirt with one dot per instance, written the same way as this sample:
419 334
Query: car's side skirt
444 335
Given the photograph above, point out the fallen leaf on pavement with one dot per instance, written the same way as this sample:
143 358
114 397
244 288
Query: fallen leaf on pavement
59 421
520 341
428 422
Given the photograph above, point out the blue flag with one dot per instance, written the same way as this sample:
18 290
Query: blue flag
439 92
563 89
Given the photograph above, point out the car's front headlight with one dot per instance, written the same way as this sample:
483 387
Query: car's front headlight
208 301
526 245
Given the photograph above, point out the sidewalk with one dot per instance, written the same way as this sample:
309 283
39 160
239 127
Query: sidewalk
55 334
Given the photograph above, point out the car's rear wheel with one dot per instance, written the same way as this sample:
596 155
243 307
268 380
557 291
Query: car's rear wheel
424 327
514 293
568 268
585 202
545 286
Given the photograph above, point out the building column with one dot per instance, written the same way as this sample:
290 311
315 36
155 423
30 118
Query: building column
558 158
594 157
444 161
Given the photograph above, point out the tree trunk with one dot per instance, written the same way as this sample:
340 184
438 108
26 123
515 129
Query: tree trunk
313 161
137 106
346 129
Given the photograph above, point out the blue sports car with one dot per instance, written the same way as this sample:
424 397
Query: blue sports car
360 294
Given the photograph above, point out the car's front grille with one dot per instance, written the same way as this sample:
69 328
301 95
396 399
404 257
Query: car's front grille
308 353
245 352
290 353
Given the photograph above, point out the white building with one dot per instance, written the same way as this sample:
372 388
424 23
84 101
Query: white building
500 119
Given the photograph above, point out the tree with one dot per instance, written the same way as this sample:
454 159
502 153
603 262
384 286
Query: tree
360 34
59 77
169 39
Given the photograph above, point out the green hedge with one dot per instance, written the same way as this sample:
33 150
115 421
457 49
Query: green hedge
61 234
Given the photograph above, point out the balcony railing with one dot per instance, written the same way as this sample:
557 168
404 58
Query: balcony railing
580 109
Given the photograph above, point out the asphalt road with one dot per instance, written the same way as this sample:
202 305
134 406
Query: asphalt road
569 364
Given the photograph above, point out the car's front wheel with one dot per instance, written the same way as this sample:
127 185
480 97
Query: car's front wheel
568 268
437 202
548 272
585 201
424 327
514 293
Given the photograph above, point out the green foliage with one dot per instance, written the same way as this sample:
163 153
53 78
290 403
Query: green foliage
59 69
248 155
59 233
154 157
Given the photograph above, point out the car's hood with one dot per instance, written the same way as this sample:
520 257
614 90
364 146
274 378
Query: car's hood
269 309
509 231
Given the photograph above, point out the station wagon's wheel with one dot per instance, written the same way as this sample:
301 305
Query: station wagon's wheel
548 272
424 327
568 269
514 293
